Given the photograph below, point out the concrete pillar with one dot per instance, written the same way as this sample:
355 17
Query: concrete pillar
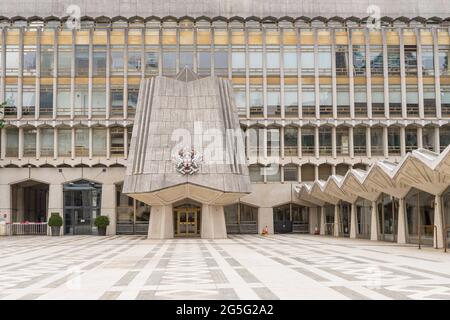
265 218
55 203
438 240
161 222
323 220
401 231
213 222
374 222
313 220
5 203
337 219
109 207
353 222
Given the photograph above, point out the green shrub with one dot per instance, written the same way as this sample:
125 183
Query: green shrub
55 220
101 222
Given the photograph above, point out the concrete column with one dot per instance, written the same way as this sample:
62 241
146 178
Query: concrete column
213 222
109 207
351 143
419 138
402 141
353 222
20 144
385 142
5 203
323 220
55 203
401 231
374 222
368 143
337 219
316 142
438 240
161 222
313 220
333 142
265 218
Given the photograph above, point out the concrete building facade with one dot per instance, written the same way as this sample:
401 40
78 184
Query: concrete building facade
320 92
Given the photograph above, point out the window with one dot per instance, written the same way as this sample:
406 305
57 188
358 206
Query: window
117 101
273 60
341 60
256 103
133 93
359 140
238 60
393 59
12 60
324 57
427 61
273 173
444 55
82 60
290 173
81 142
290 62
376 60
359 60
377 101
325 146
134 59
99 142
29 60
169 62
256 173
412 101
81 101
46 142
308 101
98 101
411 60
307 60
343 101
255 60
429 100
273 142
117 60
47 61
46 101
342 141
428 137
204 62
12 142
410 139
186 59
99 61
28 101
376 140
290 102
29 142
240 100
151 62
395 101
290 141
326 101
308 141
221 61
273 104
360 101
117 142
63 101
64 60
394 140
64 142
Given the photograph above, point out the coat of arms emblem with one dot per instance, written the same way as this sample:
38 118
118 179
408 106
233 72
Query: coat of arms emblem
188 161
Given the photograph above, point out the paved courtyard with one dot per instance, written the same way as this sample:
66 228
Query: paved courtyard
241 267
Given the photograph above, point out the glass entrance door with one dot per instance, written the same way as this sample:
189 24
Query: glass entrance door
187 221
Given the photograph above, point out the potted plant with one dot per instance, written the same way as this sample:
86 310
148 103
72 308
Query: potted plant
55 222
101 222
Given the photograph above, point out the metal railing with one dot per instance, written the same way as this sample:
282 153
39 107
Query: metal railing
290 151
26 228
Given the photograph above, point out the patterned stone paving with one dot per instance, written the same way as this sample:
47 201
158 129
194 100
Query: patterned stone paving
241 267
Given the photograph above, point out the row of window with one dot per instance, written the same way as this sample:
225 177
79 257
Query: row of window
260 142
344 141
114 100
137 60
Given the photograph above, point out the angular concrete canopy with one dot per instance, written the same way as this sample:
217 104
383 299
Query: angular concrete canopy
183 114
